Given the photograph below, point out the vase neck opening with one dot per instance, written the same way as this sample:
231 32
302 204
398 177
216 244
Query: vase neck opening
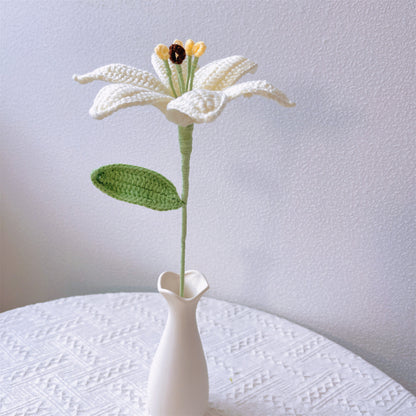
195 285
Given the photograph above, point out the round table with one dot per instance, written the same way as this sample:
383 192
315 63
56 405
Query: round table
90 355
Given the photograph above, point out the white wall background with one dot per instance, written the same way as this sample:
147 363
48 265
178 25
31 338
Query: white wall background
308 213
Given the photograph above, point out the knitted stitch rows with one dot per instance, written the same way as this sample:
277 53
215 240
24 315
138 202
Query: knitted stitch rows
214 87
222 73
249 88
160 70
137 185
123 74
117 96
176 97
197 106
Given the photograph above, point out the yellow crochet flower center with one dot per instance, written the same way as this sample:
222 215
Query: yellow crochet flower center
162 51
189 47
199 49
184 80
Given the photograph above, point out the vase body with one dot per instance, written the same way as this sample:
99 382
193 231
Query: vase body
178 380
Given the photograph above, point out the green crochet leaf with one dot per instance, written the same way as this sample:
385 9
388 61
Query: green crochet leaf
138 186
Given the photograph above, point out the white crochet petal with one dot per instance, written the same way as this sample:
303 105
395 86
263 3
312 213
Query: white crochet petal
223 73
160 70
123 74
196 106
260 88
117 96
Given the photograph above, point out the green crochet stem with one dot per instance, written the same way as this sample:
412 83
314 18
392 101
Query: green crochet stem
169 73
185 144
180 78
189 73
193 69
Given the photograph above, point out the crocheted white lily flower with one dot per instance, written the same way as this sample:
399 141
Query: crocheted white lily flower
186 95
213 87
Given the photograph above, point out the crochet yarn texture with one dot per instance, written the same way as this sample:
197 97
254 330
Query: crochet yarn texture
186 95
214 87
137 185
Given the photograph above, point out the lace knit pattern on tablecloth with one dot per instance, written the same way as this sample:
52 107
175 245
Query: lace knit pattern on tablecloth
90 355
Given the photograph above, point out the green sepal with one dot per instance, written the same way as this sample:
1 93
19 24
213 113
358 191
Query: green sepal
137 185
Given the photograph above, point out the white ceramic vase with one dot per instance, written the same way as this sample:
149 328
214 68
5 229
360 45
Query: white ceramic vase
178 380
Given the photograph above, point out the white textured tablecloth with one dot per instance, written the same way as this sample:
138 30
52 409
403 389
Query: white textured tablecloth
90 355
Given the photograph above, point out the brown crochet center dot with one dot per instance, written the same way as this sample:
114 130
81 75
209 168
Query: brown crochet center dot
177 54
